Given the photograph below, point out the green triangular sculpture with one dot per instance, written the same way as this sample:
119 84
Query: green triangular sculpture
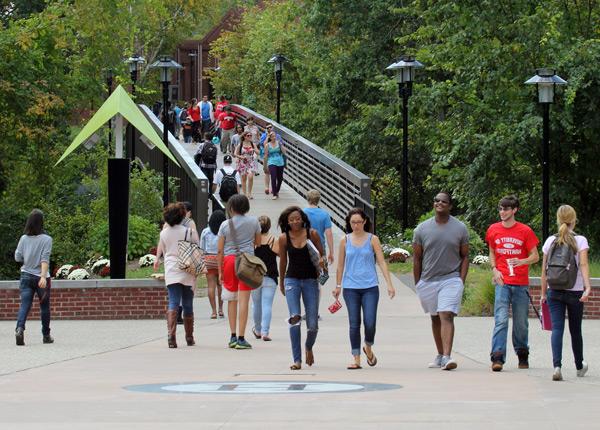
119 102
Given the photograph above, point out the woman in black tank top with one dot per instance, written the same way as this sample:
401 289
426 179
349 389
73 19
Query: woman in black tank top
300 281
262 297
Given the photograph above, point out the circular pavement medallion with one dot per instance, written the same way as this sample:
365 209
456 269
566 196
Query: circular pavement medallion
260 387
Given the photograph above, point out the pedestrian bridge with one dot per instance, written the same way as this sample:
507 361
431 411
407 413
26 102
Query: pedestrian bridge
308 167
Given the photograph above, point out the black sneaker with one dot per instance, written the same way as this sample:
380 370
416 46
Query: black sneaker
20 336
47 339
233 341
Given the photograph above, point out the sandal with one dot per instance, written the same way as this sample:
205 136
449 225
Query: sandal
266 191
296 366
354 366
309 358
256 335
221 314
371 361
213 316
266 338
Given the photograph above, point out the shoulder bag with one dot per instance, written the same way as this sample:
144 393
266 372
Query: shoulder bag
249 268
189 256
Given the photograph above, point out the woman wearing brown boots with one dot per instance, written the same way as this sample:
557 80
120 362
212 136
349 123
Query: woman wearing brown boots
179 283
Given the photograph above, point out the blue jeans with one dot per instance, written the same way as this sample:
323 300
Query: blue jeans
181 294
367 300
262 305
517 297
27 289
308 289
559 301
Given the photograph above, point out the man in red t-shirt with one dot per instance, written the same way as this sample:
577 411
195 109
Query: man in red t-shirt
227 121
194 115
513 247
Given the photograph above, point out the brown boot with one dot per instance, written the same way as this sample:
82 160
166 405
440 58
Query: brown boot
172 328
188 324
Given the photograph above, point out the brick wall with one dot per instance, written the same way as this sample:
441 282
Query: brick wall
591 309
93 299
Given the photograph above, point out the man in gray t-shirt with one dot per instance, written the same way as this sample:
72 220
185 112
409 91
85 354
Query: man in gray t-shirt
441 263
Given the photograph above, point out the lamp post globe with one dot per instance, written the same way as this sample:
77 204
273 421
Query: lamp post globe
278 61
165 65
405 73
545 81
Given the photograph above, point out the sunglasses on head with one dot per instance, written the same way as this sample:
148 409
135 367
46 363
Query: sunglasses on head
436 200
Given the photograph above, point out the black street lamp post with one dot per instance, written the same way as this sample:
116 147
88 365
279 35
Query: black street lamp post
193 74
546 80
405 73
135 63
165 65
108 74
278 61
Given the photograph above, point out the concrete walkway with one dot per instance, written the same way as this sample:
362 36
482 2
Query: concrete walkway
78 382
83 381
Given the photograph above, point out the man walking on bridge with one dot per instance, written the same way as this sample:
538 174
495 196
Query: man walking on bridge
441 263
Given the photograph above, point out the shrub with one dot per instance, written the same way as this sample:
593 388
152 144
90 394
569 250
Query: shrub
12 222
143 234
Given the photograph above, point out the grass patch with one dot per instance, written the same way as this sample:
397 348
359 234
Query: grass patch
135 272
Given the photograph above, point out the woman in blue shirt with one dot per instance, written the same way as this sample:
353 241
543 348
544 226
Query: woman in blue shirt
357 274
274 159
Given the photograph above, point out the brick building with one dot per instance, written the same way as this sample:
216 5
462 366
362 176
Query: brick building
194 56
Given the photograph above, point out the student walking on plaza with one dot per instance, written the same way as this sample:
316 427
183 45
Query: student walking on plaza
440 267
275 160
241 233
320 221
300 280
33 250
357 274
207 114
209 244
262 298
513 248
570 299
180 284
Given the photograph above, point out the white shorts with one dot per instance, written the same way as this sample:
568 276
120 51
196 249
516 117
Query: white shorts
440 296
228 296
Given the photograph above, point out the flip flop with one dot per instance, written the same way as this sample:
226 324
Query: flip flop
213 317
256 335
354 366
372 361
266 338
221 314
296 366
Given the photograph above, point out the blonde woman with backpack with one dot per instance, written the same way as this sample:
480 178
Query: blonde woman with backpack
562 296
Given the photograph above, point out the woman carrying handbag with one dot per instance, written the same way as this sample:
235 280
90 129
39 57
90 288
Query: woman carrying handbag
179 282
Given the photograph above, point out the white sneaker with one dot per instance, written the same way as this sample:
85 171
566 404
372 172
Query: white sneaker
557 375
581 372
448 363
437 362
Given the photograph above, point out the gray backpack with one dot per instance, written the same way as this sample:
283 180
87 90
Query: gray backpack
561 266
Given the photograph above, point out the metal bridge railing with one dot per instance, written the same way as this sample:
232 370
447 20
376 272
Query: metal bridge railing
193 184
308 166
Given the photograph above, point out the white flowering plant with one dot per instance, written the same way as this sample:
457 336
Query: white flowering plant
147 260
63 271
481 259
78 274
90 263
99 265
